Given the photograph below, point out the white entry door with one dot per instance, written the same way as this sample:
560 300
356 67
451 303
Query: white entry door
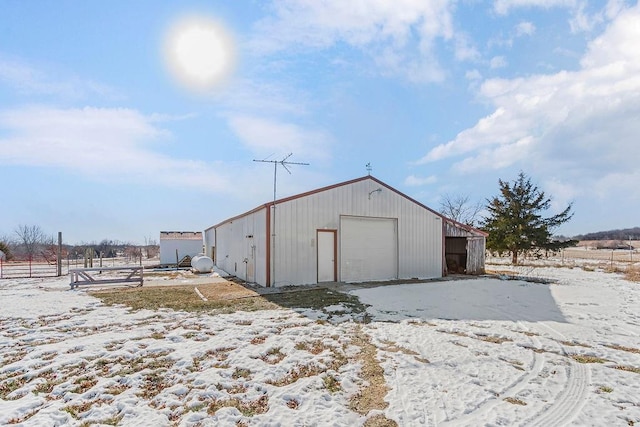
368 248
326 256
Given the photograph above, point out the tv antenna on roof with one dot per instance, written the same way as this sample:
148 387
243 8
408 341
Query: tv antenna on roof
369 168
284 162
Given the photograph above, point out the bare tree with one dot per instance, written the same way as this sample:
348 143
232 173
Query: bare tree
460 208
151 247
31 237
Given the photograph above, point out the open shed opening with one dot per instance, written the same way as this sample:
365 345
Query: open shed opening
455 252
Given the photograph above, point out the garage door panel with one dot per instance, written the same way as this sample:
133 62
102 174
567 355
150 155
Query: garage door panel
368 248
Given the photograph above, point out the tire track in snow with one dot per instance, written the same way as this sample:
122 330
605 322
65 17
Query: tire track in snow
488 405
407 409
571 399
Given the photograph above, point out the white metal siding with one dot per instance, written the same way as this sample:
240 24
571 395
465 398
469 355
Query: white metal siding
184 247
419 230
241 247
209 242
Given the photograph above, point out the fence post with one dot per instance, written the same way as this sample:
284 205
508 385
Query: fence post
30 259
612 259
59 253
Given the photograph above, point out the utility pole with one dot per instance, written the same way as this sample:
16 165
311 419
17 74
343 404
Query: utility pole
284 162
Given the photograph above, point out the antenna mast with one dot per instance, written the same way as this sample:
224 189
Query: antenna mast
284 162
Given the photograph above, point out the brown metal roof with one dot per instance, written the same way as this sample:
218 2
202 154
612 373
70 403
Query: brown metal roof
330 187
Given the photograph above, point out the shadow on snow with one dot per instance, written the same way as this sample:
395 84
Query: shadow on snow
484 298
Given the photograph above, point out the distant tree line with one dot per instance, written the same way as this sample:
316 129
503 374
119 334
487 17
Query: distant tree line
620 234
31 242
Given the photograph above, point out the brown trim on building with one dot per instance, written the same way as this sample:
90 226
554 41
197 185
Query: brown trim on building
319 190
330 187
257 209
268 254
466 227
335 254
335 251
269 205
445 271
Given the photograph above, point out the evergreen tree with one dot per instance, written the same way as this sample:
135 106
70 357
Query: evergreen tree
4 248
515 223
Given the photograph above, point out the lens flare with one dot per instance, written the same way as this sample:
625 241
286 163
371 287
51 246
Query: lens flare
200 53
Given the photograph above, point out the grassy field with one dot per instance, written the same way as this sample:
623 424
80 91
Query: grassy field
228 297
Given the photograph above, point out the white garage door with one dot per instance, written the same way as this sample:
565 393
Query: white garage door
368 249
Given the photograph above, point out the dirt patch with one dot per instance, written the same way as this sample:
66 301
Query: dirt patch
371 395
379 421
632 274
225 291
331 303
224 297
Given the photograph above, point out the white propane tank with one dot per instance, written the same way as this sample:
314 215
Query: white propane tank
202 264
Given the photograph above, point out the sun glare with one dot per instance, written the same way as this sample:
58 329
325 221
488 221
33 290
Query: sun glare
199 53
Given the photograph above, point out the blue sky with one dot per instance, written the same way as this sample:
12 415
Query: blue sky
99 138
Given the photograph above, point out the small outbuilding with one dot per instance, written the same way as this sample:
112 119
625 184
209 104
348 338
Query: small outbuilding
354 231
464 248
175 246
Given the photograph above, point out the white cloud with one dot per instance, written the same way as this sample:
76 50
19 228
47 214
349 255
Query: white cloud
265 137
417 181
473 75
581 19
525 29
498 62
582 123
99 143
29 80
563 193
503 7
390 32
497 158
464 48
257 96
584 21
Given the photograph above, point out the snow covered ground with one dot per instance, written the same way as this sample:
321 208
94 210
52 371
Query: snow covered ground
467 352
